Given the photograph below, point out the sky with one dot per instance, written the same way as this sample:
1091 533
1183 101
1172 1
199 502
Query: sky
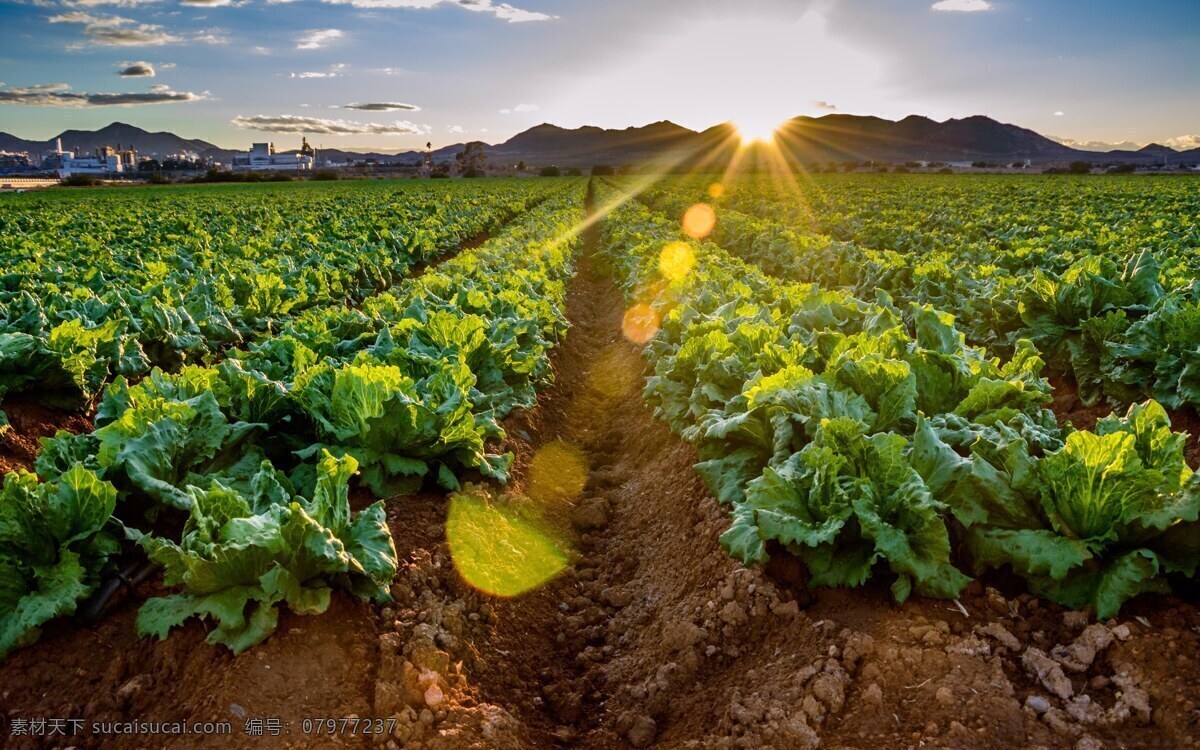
392 75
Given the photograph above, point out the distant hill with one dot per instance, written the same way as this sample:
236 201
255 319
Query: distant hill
833 137
128 136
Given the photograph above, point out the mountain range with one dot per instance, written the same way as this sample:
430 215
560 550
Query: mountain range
833 137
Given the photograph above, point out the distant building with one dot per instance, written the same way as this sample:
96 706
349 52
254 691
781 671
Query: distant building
106 160
262 157
15 163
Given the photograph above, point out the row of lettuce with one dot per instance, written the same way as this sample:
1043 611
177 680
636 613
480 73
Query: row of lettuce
868 436
1101 276
235 477
117 283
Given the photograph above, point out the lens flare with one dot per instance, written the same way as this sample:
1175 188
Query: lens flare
716 190
676 261
497 551
615 373
640 323
557 473
699 220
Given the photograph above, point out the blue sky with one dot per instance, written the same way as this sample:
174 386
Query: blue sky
393 74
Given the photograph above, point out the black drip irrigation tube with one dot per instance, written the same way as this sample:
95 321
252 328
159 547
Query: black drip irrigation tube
102 601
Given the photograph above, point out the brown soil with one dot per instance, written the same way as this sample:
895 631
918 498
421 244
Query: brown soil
29 422
653 637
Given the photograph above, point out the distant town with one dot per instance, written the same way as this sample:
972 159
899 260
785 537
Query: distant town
114 162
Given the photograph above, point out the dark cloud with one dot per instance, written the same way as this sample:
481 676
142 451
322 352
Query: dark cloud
60 95
383 107
319 126
137 70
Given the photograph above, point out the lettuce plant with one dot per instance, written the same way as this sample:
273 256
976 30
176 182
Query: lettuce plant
56 539
1095 523
245 550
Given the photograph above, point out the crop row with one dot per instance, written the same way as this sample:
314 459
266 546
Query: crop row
117 282
1108 297
863 436
235 477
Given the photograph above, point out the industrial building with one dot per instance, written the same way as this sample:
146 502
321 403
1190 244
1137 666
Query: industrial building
106 160
262 157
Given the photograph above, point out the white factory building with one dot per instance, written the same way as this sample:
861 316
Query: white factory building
262 157
105 161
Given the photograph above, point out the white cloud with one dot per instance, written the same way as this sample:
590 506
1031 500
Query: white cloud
1183 142
503 11
519 108
820 104
1096 145
60 95
211 36
317 38
962 6
136 70
387 71
1059 113
320 126
336 70
456 129
260 50
117 31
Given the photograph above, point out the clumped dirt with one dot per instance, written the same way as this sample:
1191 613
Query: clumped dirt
30 421
653 637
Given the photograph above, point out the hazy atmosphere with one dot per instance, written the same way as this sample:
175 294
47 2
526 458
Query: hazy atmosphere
393 74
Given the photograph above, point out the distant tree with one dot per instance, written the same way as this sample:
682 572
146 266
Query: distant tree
574 172
550 172
601 170
149 165
324 174
1121 169
945 170
157 178
79 180
1080 167
901 169
521 166
1018 165
472 158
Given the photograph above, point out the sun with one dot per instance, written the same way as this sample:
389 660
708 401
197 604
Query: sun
756 128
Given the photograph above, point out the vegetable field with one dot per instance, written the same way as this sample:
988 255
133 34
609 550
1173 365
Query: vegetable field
824 461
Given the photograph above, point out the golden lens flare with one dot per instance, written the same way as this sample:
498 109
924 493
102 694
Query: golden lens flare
676 261
716 190
698 221
497 551
557 473
616 372
640 323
